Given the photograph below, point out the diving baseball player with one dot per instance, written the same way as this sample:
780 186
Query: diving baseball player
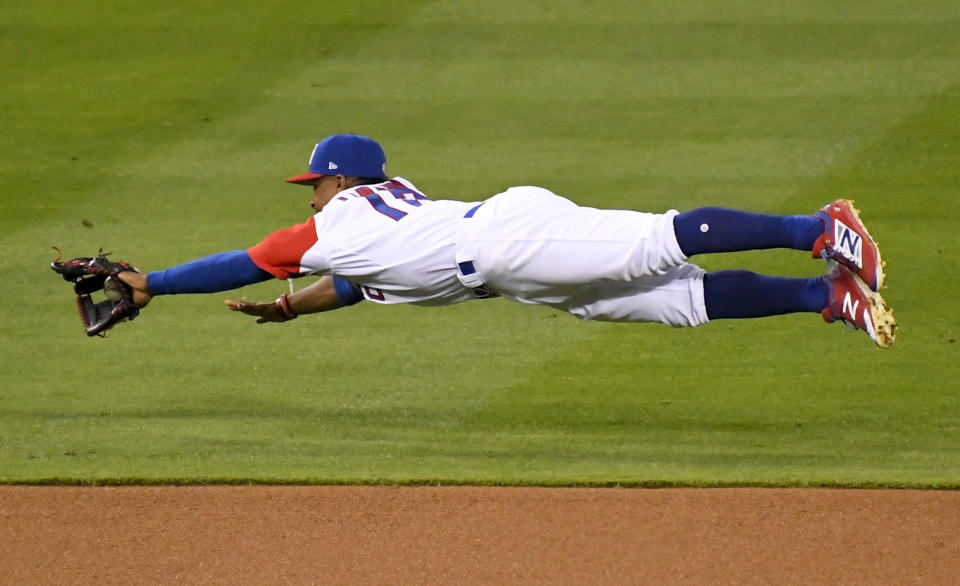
382 239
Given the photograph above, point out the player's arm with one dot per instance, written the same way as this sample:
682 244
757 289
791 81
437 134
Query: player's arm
327 294
222 271
278 255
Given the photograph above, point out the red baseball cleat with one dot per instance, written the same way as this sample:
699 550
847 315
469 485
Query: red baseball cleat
853 303
846 241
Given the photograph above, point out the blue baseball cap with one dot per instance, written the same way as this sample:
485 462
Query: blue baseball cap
350 155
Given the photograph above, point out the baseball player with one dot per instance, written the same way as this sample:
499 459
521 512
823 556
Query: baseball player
381 239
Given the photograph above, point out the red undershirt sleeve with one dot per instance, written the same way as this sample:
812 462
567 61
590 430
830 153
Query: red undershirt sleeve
281 252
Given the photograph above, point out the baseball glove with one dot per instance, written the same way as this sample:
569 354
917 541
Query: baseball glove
90 275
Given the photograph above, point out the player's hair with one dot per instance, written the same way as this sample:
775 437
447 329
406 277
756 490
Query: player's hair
355 181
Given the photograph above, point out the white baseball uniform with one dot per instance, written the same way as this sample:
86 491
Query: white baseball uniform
526 244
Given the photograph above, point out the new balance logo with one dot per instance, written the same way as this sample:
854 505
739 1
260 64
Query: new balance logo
848 243
850 306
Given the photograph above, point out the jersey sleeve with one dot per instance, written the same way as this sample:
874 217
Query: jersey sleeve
280 253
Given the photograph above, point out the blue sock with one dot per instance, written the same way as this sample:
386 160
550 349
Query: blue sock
704 230
742 294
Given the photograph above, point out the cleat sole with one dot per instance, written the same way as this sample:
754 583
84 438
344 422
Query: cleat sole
884 322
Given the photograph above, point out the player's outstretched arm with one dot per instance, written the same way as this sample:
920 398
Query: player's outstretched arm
222 271
320 296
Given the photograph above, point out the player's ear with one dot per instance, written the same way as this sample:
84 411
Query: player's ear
342 183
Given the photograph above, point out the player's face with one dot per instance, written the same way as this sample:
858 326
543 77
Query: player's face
324 189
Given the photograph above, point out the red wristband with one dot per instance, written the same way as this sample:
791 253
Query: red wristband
284 304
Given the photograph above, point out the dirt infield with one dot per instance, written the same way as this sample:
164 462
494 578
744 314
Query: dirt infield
466 535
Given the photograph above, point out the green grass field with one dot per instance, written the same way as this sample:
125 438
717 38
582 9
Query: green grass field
165 134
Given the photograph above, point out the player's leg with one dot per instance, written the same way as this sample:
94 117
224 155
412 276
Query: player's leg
838 296
713 229
674 298
531 244
835 233
737 294
687 296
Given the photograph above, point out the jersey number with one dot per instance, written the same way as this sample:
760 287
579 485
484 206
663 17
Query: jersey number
393 192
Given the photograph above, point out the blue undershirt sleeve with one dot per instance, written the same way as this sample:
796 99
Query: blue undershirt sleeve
346 291
222 271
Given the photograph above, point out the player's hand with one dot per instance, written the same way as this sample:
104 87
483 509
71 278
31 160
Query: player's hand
264 312
137 282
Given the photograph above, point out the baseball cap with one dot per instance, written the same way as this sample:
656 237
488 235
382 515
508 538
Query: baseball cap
350 155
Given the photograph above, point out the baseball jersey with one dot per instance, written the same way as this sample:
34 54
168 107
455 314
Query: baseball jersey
388 238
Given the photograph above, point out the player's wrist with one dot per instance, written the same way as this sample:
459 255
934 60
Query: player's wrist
283 304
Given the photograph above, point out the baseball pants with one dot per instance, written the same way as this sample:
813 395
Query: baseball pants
533 246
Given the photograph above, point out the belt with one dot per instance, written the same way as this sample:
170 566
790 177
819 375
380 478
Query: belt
467 273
